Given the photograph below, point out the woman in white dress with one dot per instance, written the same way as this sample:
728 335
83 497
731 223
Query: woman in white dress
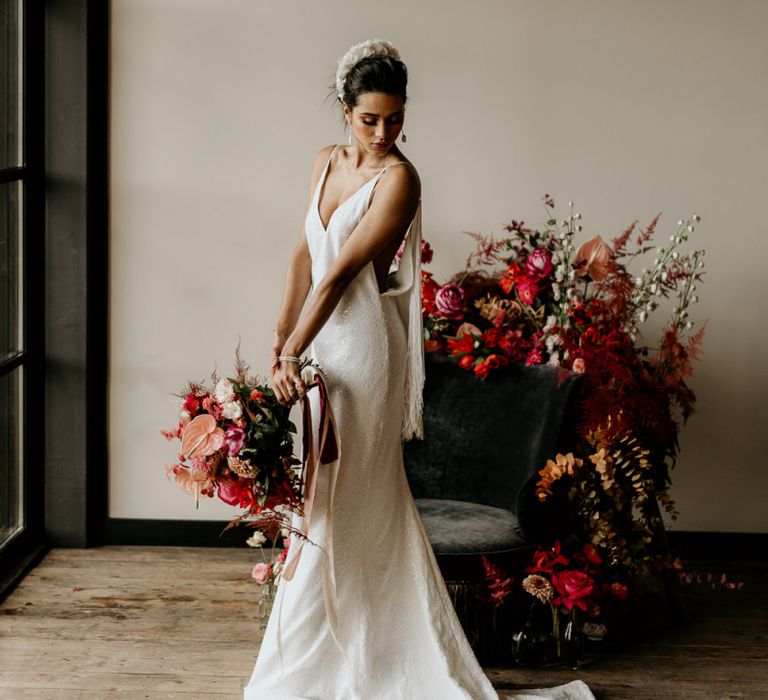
366 614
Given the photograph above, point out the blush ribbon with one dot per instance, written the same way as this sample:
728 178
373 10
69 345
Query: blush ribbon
324 451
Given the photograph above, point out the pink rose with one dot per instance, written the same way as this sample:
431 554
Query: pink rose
449 301
261 572
579 366
539 263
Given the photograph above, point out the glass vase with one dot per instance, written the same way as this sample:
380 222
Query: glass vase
572 644
266 598
529 644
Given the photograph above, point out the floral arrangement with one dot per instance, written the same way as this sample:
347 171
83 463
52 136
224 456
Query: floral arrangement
536 297
237 444
265 573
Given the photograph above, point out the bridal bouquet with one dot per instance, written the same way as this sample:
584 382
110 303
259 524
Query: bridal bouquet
237 444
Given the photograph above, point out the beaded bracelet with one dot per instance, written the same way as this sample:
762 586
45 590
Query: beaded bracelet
290 358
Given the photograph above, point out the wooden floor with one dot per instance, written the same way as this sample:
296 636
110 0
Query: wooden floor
173 622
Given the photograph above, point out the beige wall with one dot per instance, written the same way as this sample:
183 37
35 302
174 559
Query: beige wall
626 108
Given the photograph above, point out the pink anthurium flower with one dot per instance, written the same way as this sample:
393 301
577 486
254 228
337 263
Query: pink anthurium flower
202 436
593 258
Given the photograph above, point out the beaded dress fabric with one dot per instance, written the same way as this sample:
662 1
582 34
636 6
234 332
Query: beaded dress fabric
366 614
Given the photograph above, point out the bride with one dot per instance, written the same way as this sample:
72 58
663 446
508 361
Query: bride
365 613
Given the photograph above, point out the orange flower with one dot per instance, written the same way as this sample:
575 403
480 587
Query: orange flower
564 465
593 258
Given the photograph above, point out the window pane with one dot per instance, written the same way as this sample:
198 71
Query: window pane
10 269
10 83
11 458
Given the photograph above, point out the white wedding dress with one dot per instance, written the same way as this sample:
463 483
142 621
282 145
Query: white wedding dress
368 616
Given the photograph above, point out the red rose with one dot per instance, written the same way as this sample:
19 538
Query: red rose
574 588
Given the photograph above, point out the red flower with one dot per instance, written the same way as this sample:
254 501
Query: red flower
481 369
534 357
460 346
574 588
257 396
433 345
494 361
467 361
545 560
527 289
191 404
491 337
428 290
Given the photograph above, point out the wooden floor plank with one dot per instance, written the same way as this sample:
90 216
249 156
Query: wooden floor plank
110 622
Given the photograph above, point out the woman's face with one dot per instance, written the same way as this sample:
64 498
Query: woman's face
376 121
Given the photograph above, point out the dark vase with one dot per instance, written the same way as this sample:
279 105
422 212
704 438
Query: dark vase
529 645
572 646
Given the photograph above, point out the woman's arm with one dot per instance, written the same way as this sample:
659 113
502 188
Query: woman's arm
392 208
298 277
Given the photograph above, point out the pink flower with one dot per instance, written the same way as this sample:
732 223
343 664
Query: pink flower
426 252
261 572
539 263
579 366
212 406
234 440
534 357
449 301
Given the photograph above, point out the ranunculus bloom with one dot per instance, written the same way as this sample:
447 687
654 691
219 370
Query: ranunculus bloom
539 263
449 301
579 366
574 587
234 440
593 259
257 396
261 572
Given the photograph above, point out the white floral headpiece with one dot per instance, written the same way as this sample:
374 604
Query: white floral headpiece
365 49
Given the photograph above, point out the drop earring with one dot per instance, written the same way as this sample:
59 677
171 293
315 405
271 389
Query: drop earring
402 134
349 138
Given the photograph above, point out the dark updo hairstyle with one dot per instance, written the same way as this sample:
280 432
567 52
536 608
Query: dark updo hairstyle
374 74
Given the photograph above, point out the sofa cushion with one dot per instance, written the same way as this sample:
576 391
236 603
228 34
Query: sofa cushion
461 527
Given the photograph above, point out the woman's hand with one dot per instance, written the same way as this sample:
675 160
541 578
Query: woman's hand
287 383
277 347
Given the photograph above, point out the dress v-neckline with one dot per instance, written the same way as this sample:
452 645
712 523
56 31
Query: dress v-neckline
321 185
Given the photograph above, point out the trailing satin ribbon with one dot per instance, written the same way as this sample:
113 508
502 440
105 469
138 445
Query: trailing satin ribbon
327 451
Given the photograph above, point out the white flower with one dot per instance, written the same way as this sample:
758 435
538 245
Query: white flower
224 390
643 316
232 410
256 539
356 53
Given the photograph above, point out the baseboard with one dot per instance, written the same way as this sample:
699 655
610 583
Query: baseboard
208 533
